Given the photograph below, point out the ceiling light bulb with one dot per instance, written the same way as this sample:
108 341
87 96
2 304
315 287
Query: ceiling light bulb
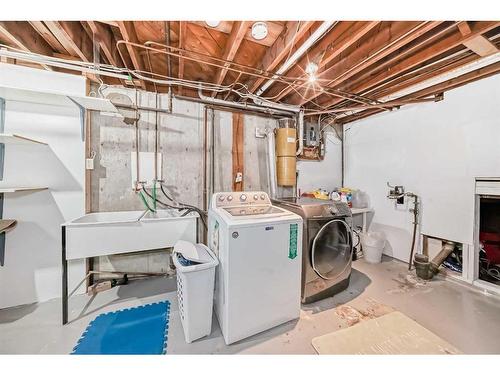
259 30
312 78
212 23
311 68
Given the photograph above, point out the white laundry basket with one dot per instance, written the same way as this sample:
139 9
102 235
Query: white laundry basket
373 244
195 265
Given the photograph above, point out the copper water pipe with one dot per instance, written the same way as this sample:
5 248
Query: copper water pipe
146 46
282 79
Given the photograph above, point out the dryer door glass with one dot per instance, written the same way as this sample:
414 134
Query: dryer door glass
332 249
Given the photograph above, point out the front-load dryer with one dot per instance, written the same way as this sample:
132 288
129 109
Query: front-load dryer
327 246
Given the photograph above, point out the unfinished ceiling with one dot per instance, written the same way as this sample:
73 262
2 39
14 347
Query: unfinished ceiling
363 67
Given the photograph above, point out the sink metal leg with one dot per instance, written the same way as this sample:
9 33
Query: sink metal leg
64 277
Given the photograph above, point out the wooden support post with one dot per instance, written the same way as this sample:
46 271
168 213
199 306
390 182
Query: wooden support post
238 139
88 182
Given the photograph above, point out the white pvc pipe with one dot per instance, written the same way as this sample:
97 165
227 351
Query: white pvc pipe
300 132
59 63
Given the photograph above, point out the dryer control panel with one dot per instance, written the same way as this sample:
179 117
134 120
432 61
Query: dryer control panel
240 198
337 209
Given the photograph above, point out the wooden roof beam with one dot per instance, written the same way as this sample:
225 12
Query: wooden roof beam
232 45
182 45
292 33
25 37
478 43
73 37
450 84
129 34
40 27
106 42
408 62
330 46
387 41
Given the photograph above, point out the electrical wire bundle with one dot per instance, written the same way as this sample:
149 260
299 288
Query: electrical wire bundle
179 206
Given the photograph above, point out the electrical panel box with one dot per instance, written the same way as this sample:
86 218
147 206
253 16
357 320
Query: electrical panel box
314 148
312 134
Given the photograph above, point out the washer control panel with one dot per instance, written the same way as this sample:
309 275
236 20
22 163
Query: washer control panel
240 198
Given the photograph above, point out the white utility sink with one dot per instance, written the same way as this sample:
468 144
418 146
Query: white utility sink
107 233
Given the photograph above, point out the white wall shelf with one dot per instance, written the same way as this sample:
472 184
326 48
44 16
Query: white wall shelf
19 140
20 188
56 98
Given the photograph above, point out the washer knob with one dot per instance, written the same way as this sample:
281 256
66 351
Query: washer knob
255 197
221 198
262 196
230 198
243 197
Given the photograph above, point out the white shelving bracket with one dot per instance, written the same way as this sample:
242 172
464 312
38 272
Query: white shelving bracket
2 128
82 117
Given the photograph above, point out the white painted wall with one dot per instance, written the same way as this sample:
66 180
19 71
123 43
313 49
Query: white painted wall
325 174
32 270
435 150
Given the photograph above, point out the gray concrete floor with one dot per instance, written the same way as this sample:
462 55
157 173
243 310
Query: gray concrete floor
463 316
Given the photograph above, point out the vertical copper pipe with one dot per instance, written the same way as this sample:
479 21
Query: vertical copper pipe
156 138
205 156
136 143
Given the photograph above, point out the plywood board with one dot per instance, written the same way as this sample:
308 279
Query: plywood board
393 333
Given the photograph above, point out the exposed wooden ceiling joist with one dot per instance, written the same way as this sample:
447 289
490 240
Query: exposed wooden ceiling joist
182 45
106 41
128 32
371 59
341 38
73 37
232 45
385 42
24 37
293 32
439 47
40 27
478 43
435 89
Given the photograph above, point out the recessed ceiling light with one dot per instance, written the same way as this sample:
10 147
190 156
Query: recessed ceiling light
212 23
259 30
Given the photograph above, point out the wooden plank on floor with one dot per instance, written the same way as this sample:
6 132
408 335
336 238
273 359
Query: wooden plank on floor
393 333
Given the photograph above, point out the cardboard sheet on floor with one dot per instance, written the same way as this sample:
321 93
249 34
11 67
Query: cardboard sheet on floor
393 333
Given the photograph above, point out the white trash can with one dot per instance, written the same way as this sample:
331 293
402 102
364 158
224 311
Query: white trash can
195 265
373 244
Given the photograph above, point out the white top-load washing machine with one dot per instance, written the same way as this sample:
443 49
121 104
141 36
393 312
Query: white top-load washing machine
259 247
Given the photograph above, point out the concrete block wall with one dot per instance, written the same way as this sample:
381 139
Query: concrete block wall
181 146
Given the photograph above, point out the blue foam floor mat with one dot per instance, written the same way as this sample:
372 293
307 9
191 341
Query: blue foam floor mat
138 330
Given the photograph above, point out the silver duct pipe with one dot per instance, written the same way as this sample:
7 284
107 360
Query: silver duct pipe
271 152
278 106
278 109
